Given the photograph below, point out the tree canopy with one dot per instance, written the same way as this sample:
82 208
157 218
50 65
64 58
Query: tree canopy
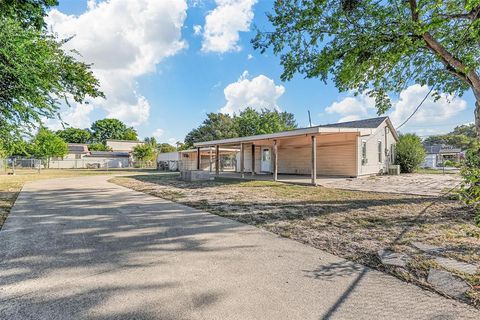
75 135
105 129
246 123
463 137
36 75
379 47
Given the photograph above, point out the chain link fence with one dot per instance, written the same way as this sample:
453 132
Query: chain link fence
12 164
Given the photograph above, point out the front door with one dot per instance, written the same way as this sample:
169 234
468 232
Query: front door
266 161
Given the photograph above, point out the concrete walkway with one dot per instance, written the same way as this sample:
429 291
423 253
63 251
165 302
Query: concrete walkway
83 248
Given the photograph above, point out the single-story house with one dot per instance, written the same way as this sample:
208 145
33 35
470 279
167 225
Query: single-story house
122 145
79 156
347 149
439 153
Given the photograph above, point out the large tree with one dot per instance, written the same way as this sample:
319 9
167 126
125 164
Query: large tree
216 126
251 122
379 47
105 129
36 75
248 122
75 135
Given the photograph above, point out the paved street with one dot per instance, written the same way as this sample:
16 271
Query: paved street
82 248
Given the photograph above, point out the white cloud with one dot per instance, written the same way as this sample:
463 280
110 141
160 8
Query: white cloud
77 116
249 57
158 133
124 40
224 23
197 29
431 111
352 107
259 92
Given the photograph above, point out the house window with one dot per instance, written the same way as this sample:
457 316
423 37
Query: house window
379 146
364 152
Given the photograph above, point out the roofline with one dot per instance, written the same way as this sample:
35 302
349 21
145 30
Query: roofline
207 149
118 140
299 132
286 134
392 129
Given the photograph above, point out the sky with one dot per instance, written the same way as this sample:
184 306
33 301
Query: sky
164 64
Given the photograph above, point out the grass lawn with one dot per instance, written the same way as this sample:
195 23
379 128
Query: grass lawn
10 185
350 224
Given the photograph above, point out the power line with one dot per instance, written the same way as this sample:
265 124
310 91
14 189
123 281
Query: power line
416 109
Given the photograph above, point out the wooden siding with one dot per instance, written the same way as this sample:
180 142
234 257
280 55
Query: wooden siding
373 166
336 155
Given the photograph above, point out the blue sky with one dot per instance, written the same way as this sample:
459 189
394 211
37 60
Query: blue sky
164 64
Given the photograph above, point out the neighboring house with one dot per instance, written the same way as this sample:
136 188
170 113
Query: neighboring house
76 151
122 145
79 156
439 153
108 159
348 149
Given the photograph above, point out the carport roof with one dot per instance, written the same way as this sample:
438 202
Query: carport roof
363 127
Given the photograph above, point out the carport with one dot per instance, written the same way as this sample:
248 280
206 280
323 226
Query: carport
341 150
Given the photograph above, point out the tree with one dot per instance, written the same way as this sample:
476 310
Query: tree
166 147
98 146
130 134
216 126
46 144
105 129
36 75
409 152
379 47
143 152
466 130
75 135
251 122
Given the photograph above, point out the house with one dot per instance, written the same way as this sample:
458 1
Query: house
122 145
347 149
107 159
439 153
79 156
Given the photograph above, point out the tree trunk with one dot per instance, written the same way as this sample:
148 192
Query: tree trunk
477 117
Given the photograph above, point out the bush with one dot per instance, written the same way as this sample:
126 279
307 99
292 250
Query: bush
409 152
451 163
470 190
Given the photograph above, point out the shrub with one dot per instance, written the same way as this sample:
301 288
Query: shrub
409 152
470 190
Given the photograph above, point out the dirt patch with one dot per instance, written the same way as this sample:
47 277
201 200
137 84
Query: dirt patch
351 224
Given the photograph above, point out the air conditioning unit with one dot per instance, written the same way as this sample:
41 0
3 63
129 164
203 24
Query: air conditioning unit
394 169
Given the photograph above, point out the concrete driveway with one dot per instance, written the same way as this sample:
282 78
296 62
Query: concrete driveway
82 248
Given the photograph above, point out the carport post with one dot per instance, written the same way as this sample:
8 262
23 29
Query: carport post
211 159
275 160
242 160
217 160
314 160
198 158
253 159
